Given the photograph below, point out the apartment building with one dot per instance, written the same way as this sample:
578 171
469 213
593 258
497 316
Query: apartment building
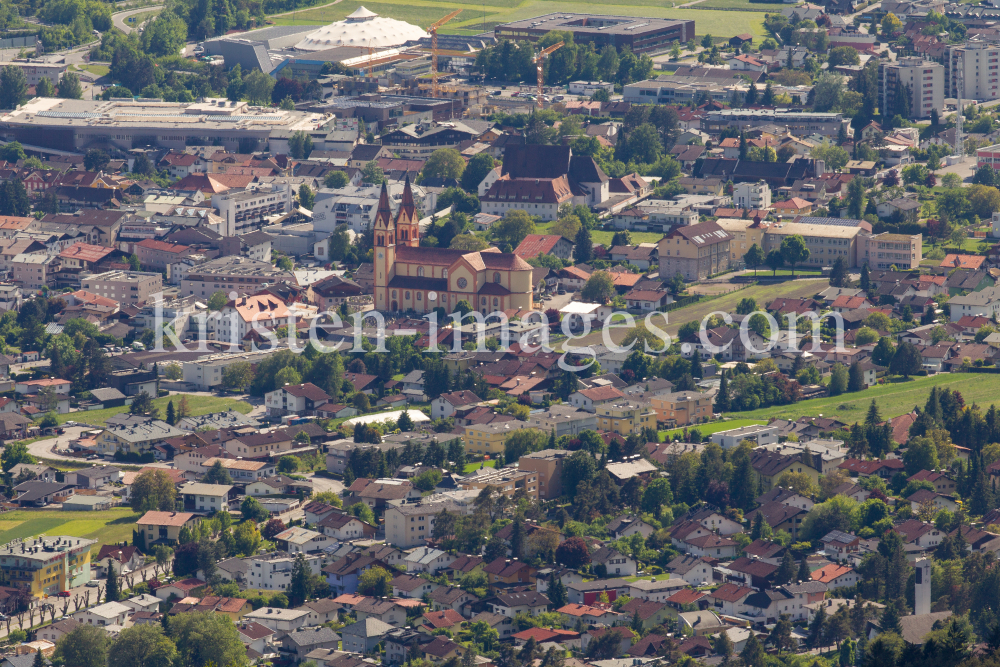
563 420
245 212
885 251
745 232
232 274
250 313
626 417
488 438
273 571
695 252
975 65
205 373
125 287
682 408
158 255
47 565
547 466
408 526
34 271
356 206
798 123
506 481
36 70
825 242
753 196
921 79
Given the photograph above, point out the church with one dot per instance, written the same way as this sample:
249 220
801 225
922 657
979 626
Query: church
411 277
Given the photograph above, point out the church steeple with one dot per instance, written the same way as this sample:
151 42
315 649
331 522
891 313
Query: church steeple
407 225
383 226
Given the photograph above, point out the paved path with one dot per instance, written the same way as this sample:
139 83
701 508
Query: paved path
119 18
329 4
322 484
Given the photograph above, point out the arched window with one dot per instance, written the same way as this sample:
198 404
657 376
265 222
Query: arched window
420 296
484 300
496 301
420 271
406 294
381 240
496 277
444 273
393 294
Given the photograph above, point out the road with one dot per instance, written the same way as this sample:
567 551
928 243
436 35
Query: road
119 18
323 484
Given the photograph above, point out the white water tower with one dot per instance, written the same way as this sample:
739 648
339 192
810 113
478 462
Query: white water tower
922 587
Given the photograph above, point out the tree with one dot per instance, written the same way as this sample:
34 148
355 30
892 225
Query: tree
247 538
479 166
237 376
760 529
906 361
13 87
69 87
573 553
13 151
444 163
583 248
512 228
754 257
217 474
856 380
838 380
142 645
794 250
306 197
843 55
599 288
300 146
112 590
251 509
153 490
300 587
833 156
13 454
774 260
656 494
335 179
375 582
257 87
753 654
84 646
890 25
95 160
204 638
786 570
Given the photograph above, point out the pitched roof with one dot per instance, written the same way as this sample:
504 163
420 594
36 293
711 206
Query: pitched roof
537 244
730 592
444 618
831 572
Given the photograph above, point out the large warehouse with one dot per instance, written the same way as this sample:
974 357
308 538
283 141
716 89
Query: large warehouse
76 125
641 35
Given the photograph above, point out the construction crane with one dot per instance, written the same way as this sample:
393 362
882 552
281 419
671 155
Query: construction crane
433 30
539 66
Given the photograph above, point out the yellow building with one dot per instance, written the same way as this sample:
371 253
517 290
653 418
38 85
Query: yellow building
681 408
745 233
483 439
410 277
46 565
626 417
770 466
164 527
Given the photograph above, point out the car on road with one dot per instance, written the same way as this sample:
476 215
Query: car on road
93 584
65 594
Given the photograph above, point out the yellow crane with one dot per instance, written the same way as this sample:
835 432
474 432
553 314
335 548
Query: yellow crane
433 30
539 66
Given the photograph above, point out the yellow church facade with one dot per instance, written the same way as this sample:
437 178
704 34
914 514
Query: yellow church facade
411 277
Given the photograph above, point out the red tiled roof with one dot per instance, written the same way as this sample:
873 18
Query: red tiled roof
534 245
731 592
162 246
605 393
962 261
831 572
686 596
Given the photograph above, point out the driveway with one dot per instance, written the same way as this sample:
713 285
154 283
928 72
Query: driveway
44 448
322 484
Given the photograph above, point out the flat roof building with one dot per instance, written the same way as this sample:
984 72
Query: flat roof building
640 34
125 287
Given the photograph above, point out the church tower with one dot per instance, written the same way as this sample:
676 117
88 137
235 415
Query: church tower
385 251
407 225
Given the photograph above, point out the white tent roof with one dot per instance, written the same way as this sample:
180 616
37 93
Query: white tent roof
362 28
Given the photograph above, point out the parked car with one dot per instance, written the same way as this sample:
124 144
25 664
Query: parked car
64 594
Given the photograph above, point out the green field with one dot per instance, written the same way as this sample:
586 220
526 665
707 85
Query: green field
99 70
604 238
470 467
745 5
481 16
199 405
708 429
114 525
893 399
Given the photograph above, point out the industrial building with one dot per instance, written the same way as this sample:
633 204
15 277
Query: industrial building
641 35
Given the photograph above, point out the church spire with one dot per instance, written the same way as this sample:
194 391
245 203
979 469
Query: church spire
384 210
407 208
